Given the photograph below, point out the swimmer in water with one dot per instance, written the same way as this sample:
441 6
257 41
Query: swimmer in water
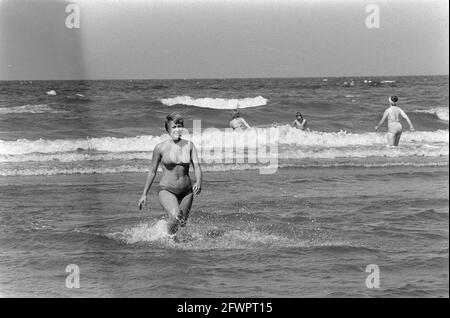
238 122
393 114
299 122
175 191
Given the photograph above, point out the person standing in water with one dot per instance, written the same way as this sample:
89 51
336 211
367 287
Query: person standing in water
175 191
299 122
238 122
393 114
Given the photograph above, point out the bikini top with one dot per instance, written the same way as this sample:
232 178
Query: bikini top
176 157
301 124
237 123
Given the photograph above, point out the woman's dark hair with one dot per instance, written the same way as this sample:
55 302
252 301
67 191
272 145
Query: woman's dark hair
394 98
176 118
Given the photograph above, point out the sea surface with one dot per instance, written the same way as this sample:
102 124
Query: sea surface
282 213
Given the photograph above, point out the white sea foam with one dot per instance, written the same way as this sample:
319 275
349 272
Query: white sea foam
387 152
106 144
295 137
440 112
143 168
229 155
287 136
48 171
216 103
76 157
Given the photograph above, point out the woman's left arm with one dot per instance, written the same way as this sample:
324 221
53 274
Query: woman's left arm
198 171
403 114
245 123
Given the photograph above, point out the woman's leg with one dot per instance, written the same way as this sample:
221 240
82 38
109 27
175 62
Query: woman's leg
185 207
397 138
394 133
391 139
170 204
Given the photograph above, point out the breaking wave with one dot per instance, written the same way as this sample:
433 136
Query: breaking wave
440 112
211 138
216 103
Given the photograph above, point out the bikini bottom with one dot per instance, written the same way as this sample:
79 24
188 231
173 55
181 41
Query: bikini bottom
395 128
180 193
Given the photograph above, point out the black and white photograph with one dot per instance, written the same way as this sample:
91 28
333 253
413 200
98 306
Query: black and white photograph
224 149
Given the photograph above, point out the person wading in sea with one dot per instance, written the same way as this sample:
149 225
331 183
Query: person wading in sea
393 114
175 191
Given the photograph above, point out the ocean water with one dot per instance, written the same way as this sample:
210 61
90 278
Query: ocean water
73 163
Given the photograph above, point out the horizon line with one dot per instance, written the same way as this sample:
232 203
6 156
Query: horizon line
217 78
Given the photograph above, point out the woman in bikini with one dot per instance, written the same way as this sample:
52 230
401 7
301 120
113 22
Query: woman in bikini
393 114
299 122
175 190
238 123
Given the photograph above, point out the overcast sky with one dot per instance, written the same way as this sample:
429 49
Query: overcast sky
159 39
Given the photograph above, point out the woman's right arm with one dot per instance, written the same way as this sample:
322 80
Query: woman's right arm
151 175
382 119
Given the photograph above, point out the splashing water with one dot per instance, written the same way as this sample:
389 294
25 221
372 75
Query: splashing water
144 232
